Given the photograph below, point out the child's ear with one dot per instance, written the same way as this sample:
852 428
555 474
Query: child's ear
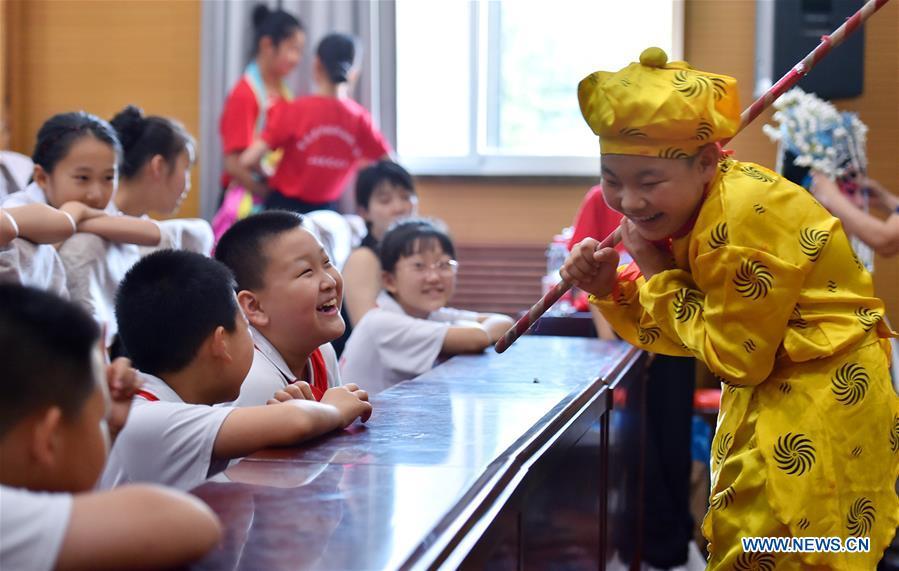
388 280
158 166
41 177
218 344
45 440
252 308
362 212
707 162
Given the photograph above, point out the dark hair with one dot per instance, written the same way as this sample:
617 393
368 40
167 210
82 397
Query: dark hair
275 24
143 137
47 344
371 176
58 133
337 52
242 247
168 305
412 236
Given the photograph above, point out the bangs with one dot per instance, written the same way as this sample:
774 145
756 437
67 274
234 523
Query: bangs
427 243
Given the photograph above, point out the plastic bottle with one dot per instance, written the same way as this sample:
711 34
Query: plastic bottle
556 253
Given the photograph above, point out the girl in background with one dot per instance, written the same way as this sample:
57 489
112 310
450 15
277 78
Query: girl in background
385 193
278 43
76 171
158 154
323 136
412 326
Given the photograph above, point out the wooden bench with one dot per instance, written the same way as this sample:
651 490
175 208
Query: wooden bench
499 278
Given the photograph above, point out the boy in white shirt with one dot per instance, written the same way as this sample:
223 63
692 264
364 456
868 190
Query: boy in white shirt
403 336
55 424
180 324
291 294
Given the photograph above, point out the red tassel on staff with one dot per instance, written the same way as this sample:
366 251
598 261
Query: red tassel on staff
790 79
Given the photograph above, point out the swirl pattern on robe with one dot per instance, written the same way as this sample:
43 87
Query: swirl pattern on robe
723 498
687 304
867 318
849 384
794 454
860 518
753 280
648 335
723 446
812 241
754 561
719 236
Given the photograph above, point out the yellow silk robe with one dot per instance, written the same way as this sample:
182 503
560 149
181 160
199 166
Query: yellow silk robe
769 295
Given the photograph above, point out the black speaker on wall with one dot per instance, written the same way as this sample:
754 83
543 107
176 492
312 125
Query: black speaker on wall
787 30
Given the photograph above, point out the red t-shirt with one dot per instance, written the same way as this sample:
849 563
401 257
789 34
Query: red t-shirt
323 139
595 219
237 124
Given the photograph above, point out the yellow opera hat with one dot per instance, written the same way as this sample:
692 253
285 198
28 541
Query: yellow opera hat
658 108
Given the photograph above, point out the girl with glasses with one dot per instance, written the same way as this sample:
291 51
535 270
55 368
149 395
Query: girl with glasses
412 327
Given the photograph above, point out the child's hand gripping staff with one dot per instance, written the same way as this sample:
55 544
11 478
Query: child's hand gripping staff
605 257
654 57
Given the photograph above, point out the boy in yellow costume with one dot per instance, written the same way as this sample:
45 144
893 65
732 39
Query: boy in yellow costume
747 272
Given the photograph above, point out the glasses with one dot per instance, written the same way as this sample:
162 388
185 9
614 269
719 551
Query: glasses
443 267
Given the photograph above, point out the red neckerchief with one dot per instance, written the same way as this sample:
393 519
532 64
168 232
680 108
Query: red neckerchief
319 382
319 374
144 394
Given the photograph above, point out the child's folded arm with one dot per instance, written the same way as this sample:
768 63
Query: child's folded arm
140 526
736 323
38 223
124 229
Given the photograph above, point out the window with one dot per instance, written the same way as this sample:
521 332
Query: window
489 87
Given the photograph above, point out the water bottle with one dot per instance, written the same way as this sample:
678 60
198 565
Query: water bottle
556 253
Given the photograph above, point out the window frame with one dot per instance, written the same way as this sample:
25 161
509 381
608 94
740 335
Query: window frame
482 158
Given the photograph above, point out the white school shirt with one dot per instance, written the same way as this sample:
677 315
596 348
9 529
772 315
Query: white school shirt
189 234
166 441
388 345
94 267
270 373
32 528
35 265
19 168
32 194
26 263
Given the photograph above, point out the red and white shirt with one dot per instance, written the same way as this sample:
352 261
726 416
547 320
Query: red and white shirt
240 116
324 139
166 440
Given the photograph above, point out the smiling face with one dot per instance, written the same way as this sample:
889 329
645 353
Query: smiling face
88 174
302 294
658 195
388 203
424 281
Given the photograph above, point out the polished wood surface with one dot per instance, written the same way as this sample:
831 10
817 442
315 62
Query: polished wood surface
433 470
